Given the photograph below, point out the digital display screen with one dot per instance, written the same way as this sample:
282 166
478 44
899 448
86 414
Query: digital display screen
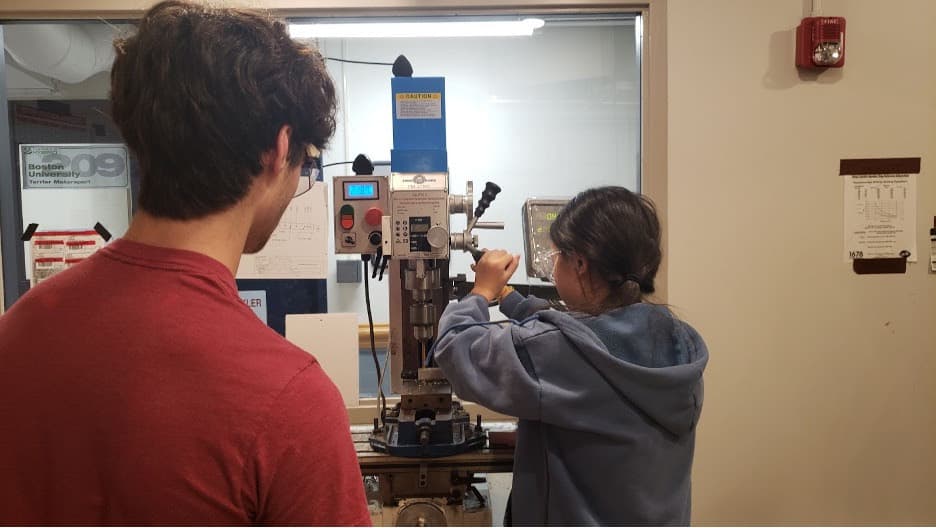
538 216
360 190
419 228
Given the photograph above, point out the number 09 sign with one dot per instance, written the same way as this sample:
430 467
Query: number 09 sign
74 166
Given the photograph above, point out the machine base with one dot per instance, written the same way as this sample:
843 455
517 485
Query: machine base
407 434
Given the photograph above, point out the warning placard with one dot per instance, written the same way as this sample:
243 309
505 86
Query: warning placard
420 105
54 251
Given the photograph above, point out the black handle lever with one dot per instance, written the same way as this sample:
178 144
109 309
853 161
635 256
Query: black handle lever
490 192
476 253
377 258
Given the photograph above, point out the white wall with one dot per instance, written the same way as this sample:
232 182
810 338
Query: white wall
548 115
820 401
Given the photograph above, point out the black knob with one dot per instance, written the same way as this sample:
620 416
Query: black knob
362 165
402 67
487 196
375 238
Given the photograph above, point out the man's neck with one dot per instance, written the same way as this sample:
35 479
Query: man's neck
220 236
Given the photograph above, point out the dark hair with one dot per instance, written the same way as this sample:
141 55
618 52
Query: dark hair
618 233
200 93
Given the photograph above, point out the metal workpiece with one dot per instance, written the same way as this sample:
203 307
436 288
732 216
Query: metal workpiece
439 402
432 374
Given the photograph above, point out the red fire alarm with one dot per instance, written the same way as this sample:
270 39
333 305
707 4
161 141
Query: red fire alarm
820 43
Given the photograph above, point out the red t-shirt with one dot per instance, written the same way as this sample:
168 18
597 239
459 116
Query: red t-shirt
137 388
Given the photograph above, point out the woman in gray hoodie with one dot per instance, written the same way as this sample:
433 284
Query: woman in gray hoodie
608 394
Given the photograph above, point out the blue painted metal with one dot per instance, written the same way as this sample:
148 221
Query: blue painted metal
418 125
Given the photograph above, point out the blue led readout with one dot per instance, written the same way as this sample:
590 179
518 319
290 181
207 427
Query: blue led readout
360 191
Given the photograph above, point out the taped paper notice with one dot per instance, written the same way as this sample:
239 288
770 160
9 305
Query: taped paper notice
880 198
880 216
54 251
298 247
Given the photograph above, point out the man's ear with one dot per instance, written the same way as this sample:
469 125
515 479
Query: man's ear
275 159
581 266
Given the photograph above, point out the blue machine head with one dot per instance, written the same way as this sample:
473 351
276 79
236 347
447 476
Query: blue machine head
418 125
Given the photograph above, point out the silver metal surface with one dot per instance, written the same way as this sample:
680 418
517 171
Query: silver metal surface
420 512
438 236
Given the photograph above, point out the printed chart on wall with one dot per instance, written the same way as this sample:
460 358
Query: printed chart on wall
55 251
880 208
69 188
298 247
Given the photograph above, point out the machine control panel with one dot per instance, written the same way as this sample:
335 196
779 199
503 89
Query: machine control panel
360 204
419 211
538 216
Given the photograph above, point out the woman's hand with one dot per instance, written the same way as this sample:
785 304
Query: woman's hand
492 272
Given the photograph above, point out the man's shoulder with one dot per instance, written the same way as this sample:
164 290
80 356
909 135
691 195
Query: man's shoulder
245 335
259 347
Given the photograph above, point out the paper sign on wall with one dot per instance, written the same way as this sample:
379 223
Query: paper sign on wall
256 300
54 251
73 186
880 216
71 166
298 247
880 197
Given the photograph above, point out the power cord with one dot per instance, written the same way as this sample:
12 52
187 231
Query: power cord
334 163
383 266
381 398
349 61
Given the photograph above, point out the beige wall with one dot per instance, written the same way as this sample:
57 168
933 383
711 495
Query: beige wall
820 395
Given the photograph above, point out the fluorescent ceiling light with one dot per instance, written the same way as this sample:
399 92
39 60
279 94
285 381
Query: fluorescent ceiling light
474 28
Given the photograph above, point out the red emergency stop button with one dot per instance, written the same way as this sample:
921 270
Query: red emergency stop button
373 216
346 216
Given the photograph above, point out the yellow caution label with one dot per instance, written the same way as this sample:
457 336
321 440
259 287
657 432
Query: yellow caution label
419 105
431 95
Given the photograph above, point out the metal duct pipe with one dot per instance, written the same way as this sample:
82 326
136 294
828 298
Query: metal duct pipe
70 53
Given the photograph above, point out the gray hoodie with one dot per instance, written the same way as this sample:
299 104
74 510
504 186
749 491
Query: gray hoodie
607 406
